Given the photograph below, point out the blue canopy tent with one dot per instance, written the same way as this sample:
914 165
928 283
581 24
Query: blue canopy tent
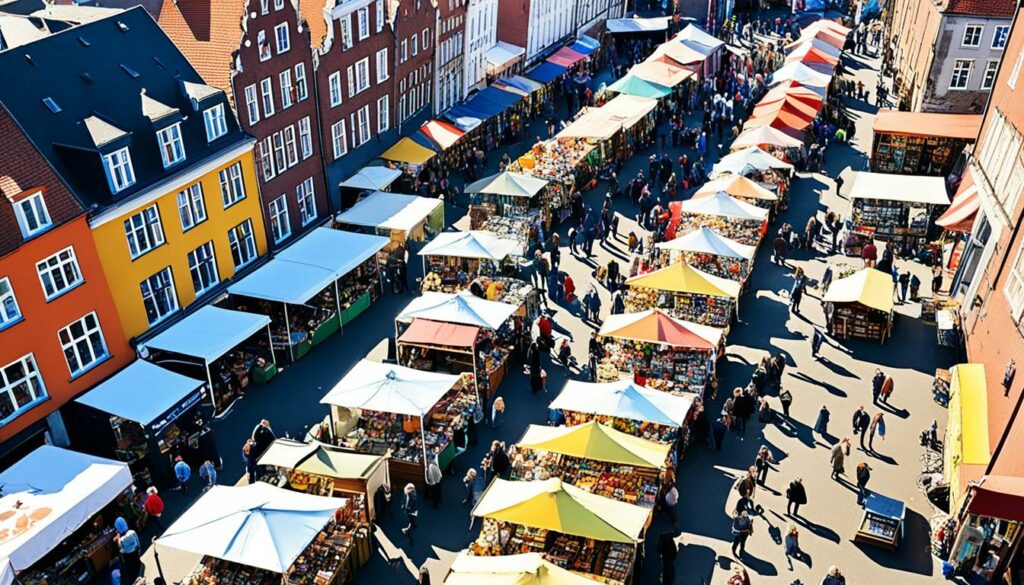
423 140
501 98
585 45
546 72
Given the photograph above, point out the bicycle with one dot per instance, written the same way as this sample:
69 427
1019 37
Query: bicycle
931 462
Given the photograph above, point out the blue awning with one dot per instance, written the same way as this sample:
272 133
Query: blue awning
143 392
423 140
501 98
585 45
546 72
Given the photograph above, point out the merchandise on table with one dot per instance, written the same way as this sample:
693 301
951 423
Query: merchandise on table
486 355
523 226
672 369
702 309
644 430
747 232
625 483
856 320
720 266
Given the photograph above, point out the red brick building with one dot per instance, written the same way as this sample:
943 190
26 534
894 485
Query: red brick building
414 23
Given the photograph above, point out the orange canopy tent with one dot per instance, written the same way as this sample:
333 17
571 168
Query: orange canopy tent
788 104
426 332
791 90
655 326
786 119
807 54
667 74
737 186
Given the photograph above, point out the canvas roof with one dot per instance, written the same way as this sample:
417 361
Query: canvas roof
736 186
595 441
520 569
793 91
142 392
408 151
961 126
808 52
656 326
546 72
209 333
679 53
502 54
427 332
869 287
960 215
592 124
628 109
705 240
697 39
463 308
506 183
566 57
802 74
389 388
752 157
683 278
638 86
372 178
471 244
394 211
319 459
637 25
443 134
626 400
661 73
723 204
892 187
765 135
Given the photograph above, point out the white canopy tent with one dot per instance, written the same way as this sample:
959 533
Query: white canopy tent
520 569
121 394
462 308
502 55
624 399
593 123
906 188
800 73
697 39
49 494
628 109
637 25
256 525
208 334
372 178
723 204
335 250
705 240
6 572
478 244
391 211
759 135
749 160
511 184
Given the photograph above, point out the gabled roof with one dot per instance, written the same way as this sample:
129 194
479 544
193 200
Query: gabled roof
989 8
207 32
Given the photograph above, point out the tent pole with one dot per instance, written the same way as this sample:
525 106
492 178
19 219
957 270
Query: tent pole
209 380
270 338
380 275
288 331
337 304
423 438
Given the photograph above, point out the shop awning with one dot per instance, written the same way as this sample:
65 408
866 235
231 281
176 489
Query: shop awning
705 240
462 308
967 450
209 333
637 25
591 124
511 184
408 151
869 287
628 109
721 203
595 441
372 178
389 388
800 73
392 211
281 281
656 326
765 135
964 208
566 57
625 400
142 392
554 505
464 118
749 160
521 569
697 39
679 53
524 84
998 496
959 126
256 525
585 45
736 186
793 91
490 102
443 134
683 278
427 332
908 188
319 459
60 490
638 86
501 55
830 25
472 244
546 72
662 73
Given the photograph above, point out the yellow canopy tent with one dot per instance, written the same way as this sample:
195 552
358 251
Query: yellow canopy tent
683 278
737 186
407 151
523 569
966 449
554 505
595 441
869 287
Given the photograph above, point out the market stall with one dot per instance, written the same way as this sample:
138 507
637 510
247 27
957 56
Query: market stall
570 527
627 407
313 288
405 413
57 511
920 143
595 458
686 293
436 346
710 252
227 348
765 136
408 155
568 164
637 86
402 218
861 305
520 569
658 351
324 470
749 161
259 534
730 217
882 522
894 208
453 260
815 52
145 429
741 188
514 206
697 39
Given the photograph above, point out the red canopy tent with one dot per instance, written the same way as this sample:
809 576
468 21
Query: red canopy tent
788 119
426 332
566 57
807 54
959 216
793 91
788 104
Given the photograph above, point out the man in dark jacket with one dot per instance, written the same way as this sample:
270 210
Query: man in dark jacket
876 385
796 496
744 408
780 249
861 420
262 437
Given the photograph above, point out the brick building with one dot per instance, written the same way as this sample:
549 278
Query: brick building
414 22
537 25
449 54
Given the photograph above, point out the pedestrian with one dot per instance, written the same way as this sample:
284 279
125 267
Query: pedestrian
469 482
668 550
498 408
208 473
154 506
500 463
863 475
182 472
739 576
936 278
837 457
886 390
411 508
839 184
796 496
780 248
263 436
763 463
542 270
816 341
792 545
860 423
869 253
382 501
826 279
877 427
670 498
821 425
128 545
433 479
904 284
833 577
745 487
797 292
876 385
718 430
786 399
249 457
742 528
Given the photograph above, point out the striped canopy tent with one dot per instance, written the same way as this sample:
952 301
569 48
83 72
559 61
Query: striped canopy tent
765 135
442 133
802 74
806 52
793 91
959 217
785 119
735 186
833 38
789 104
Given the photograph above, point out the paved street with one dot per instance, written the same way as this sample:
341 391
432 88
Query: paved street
840 381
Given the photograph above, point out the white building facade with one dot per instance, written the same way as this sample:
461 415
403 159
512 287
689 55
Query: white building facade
550 22
481 35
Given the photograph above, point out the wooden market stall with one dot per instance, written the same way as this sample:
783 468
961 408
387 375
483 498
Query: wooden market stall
568 164
402 218
710 252
860 306
730 217
920 143
453 259
686 293
436 346
513 206
741 188
895 208
881 524
770 172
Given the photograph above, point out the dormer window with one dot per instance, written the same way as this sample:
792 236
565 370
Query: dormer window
216 122
120 174
32 214
172 149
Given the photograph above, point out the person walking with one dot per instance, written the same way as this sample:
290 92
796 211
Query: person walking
129 546
876 385
861 419
154 506
833 577
792 545
469 482
863 475
797 292
780 249
826 279
886 390
796 496
742 528
763 463
718 430
250 459
838 458
786 399
821 425
263 436
668 550
745 487
208 473
411 508
877 427
433 479
816 341
669 500
182 472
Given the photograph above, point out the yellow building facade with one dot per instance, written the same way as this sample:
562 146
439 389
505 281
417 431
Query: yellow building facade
165 248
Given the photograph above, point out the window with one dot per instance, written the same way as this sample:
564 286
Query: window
351 81
216 122
424 39
266 155
290 146
363 20
380 15
338 139
83 344
264 6
364 124
383 114
118 166
1014 288
9 310
382 65
267 90
143 231
286 88
301 89
232 188
252 105
191 207
202 265
263 45
989 79
972 35
158 296
278 4
280 160
305 138
415 46
404 54
307 203
334 88
362 75
280 228
21 386
1000 36
1012 80
961 73
281 38
59 273
172 149
243 245
32 215
346 32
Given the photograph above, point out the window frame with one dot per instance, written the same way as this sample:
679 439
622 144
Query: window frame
291 145
363 120
991 67
363 22
336 136
194 204
278 37
252 103
152 227
173 294
306 199
247 241
967 29
215 119
73 344
284 79
171 144
277 216
305 138
263 47
383 114
195 268
362 74
1005 28
967 77
267 96
5 319
54 265
266 159
382 65
334 89
235 179
301 83
119 170
7 387
36 203
1015 73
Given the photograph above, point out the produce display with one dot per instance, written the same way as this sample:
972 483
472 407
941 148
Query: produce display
521 225
706 310
747 232
625 483
554 160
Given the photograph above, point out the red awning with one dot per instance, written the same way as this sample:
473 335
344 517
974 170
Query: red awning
426 332
999 496
962 126
566 57
959 217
